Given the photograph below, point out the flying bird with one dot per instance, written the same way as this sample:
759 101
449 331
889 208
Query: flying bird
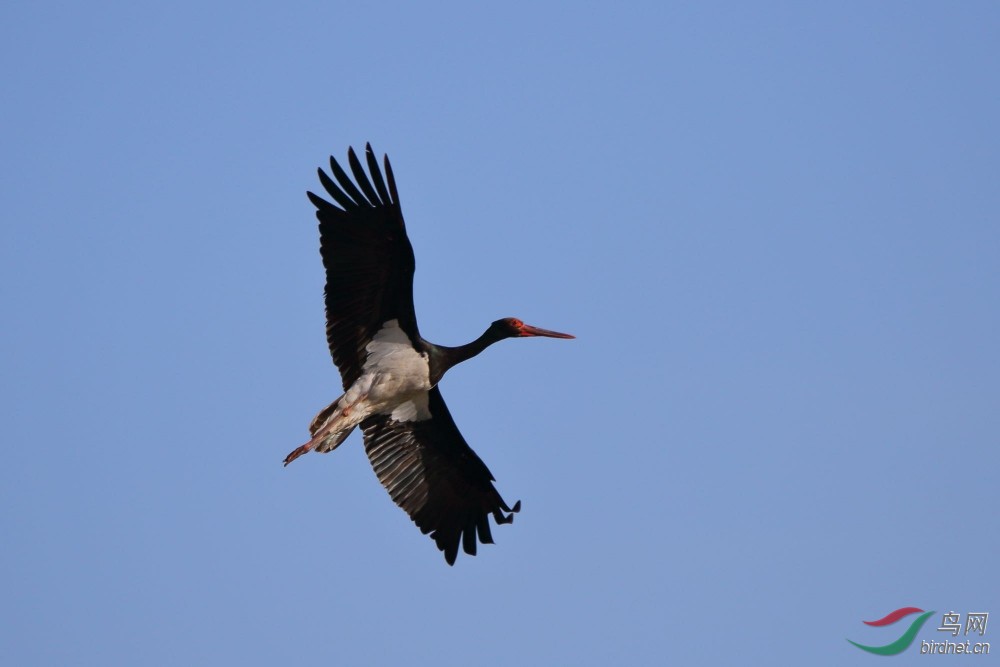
390 373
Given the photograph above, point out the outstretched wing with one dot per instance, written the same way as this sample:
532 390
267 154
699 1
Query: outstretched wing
368 259
432 473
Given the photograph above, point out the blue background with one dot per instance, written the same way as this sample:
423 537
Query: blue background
773 228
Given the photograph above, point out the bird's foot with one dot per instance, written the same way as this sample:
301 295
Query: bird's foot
299 451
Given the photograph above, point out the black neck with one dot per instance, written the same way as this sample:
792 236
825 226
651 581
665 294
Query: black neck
443 357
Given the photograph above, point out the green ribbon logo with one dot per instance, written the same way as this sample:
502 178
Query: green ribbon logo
906 639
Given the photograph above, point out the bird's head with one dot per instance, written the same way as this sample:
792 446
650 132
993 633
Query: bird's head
511 327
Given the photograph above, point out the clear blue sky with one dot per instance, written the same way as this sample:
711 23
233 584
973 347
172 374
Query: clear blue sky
775 231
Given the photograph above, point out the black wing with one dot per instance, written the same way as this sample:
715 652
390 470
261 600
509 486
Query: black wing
368 259
432 473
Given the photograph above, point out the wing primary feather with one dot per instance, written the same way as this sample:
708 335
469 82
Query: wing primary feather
335 191
362 178
392 181
483 528
345 183
376 175
450 550
502 518
469 537
322 204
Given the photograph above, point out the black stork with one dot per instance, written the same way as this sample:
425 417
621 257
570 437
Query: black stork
390 373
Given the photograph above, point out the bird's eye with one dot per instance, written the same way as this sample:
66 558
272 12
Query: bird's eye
516 323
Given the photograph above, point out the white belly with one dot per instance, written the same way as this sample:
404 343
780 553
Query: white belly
394 380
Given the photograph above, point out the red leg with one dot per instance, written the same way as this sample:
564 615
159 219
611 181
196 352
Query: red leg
299 451
329 427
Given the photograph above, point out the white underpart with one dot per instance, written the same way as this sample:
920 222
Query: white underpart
394 380
414 409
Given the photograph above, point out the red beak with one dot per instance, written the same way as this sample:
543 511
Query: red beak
528 330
